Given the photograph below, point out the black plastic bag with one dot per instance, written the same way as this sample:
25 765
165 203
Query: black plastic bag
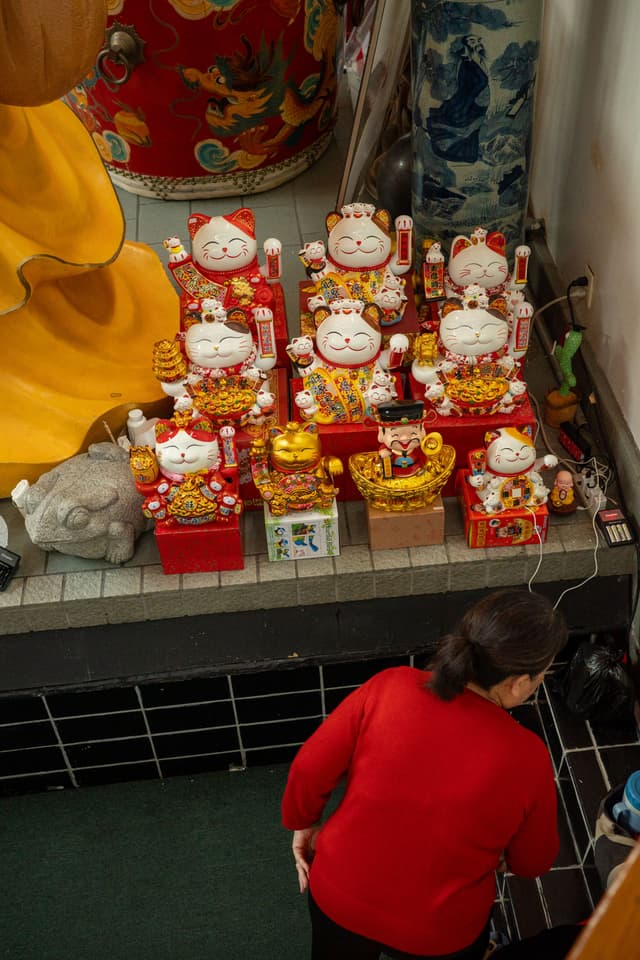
596 685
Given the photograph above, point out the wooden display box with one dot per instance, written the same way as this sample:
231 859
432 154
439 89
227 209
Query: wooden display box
303 534
197 549
467 433
505 529
389 530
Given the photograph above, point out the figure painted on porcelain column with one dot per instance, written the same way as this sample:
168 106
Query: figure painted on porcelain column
345 363
361 261
223 263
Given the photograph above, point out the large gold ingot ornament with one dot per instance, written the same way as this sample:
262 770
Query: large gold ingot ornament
78 306
410 467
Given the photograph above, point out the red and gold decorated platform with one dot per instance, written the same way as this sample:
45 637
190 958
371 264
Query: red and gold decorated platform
197 549
505 529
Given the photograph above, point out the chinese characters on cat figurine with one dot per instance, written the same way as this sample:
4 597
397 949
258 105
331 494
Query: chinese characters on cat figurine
359 261
469 368
188 480
505 473
345 363
290 472
223 263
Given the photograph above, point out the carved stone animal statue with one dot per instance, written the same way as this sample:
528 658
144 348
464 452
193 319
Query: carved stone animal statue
87 506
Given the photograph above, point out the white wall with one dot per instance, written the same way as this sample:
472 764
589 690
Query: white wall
586 172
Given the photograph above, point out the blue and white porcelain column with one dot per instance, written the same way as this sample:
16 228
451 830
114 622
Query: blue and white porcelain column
474 75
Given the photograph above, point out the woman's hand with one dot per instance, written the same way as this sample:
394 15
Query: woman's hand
304 844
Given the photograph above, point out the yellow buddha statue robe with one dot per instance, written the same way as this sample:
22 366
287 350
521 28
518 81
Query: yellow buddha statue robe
80 309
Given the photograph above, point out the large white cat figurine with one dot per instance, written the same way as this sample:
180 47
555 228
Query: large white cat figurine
223 263
194 484
221 345
360 261
345 362
505 474
481 258
473 330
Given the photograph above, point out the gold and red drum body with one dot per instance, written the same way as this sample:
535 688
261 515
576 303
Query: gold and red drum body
211 98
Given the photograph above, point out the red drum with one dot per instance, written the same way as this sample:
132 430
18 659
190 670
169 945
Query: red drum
211 98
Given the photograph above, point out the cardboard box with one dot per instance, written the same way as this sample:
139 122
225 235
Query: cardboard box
467 433
303 534
505 529
197 549
389 530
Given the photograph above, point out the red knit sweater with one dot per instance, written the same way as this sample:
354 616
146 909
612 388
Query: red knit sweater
435 793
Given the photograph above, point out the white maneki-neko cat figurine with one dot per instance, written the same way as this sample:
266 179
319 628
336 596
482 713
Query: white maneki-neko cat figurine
223 263
481 259
225 375
469 367
345 372
361 261
187 480
505 473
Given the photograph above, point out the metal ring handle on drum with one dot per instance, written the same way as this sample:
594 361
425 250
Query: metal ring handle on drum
123 46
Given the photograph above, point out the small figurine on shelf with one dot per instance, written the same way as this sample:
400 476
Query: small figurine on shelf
223 264
466 368
223 358
410 467
290 472
360 262
186 480
481 258
562 498
339 371
505 473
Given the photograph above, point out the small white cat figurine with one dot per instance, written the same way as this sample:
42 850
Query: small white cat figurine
505 474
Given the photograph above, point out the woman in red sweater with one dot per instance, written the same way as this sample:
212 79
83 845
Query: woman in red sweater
443 787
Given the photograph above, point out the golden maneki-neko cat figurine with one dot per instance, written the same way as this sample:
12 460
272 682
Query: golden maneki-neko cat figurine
290 472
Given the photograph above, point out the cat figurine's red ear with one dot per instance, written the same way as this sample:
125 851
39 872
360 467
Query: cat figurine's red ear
244 219
195 222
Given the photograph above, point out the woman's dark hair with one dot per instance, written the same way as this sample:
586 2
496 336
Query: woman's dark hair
507 633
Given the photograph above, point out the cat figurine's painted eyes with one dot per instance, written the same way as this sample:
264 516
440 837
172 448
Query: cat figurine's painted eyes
220 245
473 332
358 244
184 454
216 345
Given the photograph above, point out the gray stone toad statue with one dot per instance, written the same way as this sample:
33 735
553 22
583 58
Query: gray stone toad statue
87 506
